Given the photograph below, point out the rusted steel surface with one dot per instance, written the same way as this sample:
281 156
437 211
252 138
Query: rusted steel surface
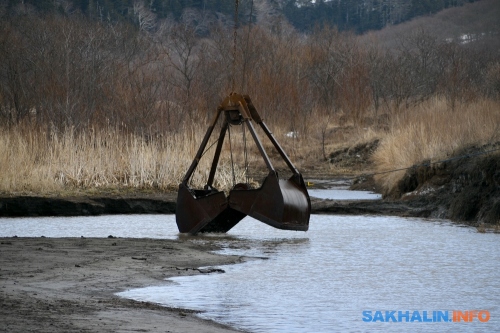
283 204
280 203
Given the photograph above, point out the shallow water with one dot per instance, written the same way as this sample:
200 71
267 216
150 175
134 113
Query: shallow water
321 280
135 226
341 194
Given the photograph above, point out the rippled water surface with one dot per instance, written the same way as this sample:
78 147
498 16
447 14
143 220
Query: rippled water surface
321 280
341 194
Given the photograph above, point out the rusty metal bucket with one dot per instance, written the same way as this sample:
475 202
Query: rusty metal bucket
204 211
283 204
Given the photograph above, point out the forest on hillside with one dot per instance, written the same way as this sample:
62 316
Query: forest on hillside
71 71
355 15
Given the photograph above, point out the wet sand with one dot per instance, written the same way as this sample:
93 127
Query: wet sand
68 284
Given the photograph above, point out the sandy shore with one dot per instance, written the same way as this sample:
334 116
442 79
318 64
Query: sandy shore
68 284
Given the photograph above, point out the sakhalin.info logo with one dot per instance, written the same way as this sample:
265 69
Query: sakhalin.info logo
435 316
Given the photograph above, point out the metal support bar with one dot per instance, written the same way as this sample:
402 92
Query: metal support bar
197 158
217 153
278 148
259 146
256 117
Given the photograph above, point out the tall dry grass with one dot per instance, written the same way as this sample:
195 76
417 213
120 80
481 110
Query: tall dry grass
36 161
433 131
44 161
33 160
48 161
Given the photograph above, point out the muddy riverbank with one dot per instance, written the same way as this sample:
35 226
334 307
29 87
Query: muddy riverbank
465 190
68 284
416 204
84 206
423 199
16 206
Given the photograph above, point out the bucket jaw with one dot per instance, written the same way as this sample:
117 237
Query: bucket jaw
283 204
204 211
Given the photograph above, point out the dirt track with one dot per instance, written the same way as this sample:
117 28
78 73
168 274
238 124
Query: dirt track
68 284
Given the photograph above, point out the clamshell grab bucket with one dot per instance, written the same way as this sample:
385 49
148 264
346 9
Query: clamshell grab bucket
204 211
280 203
283 204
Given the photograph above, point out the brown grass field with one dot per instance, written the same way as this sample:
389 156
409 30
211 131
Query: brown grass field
34 161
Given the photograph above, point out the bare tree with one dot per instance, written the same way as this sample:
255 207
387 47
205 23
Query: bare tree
145 18
458 69
183 50
16 73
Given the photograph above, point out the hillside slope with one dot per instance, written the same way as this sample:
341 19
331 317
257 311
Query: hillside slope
476 21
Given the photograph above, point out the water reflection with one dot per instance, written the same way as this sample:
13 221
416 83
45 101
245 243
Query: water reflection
322 280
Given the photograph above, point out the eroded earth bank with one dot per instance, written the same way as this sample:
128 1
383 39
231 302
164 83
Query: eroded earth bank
464 190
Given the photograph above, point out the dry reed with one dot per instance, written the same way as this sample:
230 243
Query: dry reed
39 161
434 131
34 161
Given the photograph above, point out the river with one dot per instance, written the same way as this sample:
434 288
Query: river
346 274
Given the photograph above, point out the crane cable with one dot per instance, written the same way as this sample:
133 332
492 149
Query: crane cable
245 153
233 74
235 38
244 70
